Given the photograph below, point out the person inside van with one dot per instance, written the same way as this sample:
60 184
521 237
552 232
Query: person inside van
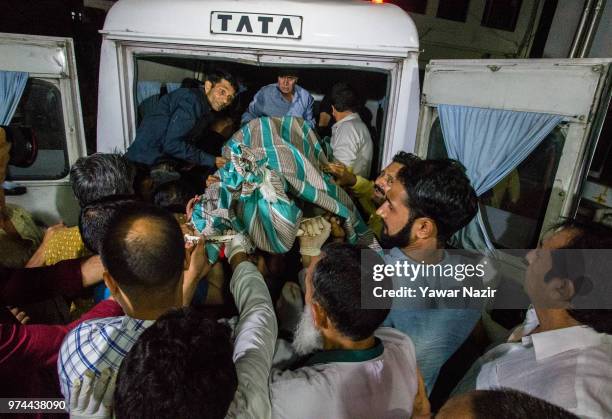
163 137
350 141
285 97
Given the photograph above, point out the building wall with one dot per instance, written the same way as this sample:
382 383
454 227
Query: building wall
563 29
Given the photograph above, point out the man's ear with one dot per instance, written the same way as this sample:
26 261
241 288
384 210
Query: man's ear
424 228
207 86
111 284
319 316
561 290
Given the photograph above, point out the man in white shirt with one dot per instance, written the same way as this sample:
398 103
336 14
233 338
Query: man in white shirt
350 141
565 351
350 367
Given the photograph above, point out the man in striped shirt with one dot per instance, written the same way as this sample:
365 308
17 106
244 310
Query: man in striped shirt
143 253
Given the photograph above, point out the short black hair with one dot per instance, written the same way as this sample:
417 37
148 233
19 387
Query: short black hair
94 219
337 279
173 196
345 98
511 404
288 72
100 175
180 367
405 158
219 74
143 249
588 236
440 190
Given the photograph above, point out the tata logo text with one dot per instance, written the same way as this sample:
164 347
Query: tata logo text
255 24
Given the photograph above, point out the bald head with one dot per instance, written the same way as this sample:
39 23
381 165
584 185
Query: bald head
143 250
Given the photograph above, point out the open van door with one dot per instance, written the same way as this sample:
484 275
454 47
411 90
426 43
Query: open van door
51 108
545 186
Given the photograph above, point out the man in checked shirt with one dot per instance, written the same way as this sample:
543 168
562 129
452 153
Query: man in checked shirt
143 253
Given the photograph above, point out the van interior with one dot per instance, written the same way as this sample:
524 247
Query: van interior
158 75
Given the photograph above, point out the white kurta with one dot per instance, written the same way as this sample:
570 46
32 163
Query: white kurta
376 383
352 144
569 367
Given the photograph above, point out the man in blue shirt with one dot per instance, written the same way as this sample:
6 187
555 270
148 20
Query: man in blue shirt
282 98
164 133
428 202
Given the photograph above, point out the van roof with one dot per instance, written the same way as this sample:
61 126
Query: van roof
327 25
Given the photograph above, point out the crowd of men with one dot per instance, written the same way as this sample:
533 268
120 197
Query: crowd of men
154 349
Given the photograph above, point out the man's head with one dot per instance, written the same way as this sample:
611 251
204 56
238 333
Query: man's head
180 367
570 270
101 175
385 179
344 100
287 79
500 403
94 220
143 253
333 299
220 88
429 201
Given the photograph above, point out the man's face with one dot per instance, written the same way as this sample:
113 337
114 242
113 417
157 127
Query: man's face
383 182
219 95
397 228
286 84
307 337
541 293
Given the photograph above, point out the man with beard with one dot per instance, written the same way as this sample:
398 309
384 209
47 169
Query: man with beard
429 201
371 194
350 366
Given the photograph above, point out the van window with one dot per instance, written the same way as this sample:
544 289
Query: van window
40 109
514 209
159 75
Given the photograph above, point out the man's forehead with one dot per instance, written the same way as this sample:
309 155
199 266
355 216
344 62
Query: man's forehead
225 84
393 168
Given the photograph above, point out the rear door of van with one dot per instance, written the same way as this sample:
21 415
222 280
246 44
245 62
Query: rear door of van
51 107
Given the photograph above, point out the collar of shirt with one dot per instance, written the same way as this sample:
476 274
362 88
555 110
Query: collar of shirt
347 118
347 355
554 342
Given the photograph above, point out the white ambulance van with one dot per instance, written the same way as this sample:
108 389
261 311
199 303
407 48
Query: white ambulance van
150 46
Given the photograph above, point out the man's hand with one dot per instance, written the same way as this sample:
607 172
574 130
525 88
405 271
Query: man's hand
238 249
342 174
190 205
21 316
91 271
337 231
315 232
210 180
220 162
93 396
198 259
198 267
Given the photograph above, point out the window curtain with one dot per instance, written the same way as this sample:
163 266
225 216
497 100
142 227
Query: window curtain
12 85
490 143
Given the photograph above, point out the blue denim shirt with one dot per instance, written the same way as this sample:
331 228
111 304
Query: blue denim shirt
436 332
164 132
269 101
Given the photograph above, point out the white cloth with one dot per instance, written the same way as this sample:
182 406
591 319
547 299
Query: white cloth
344 387
569 367
352 145
254 343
